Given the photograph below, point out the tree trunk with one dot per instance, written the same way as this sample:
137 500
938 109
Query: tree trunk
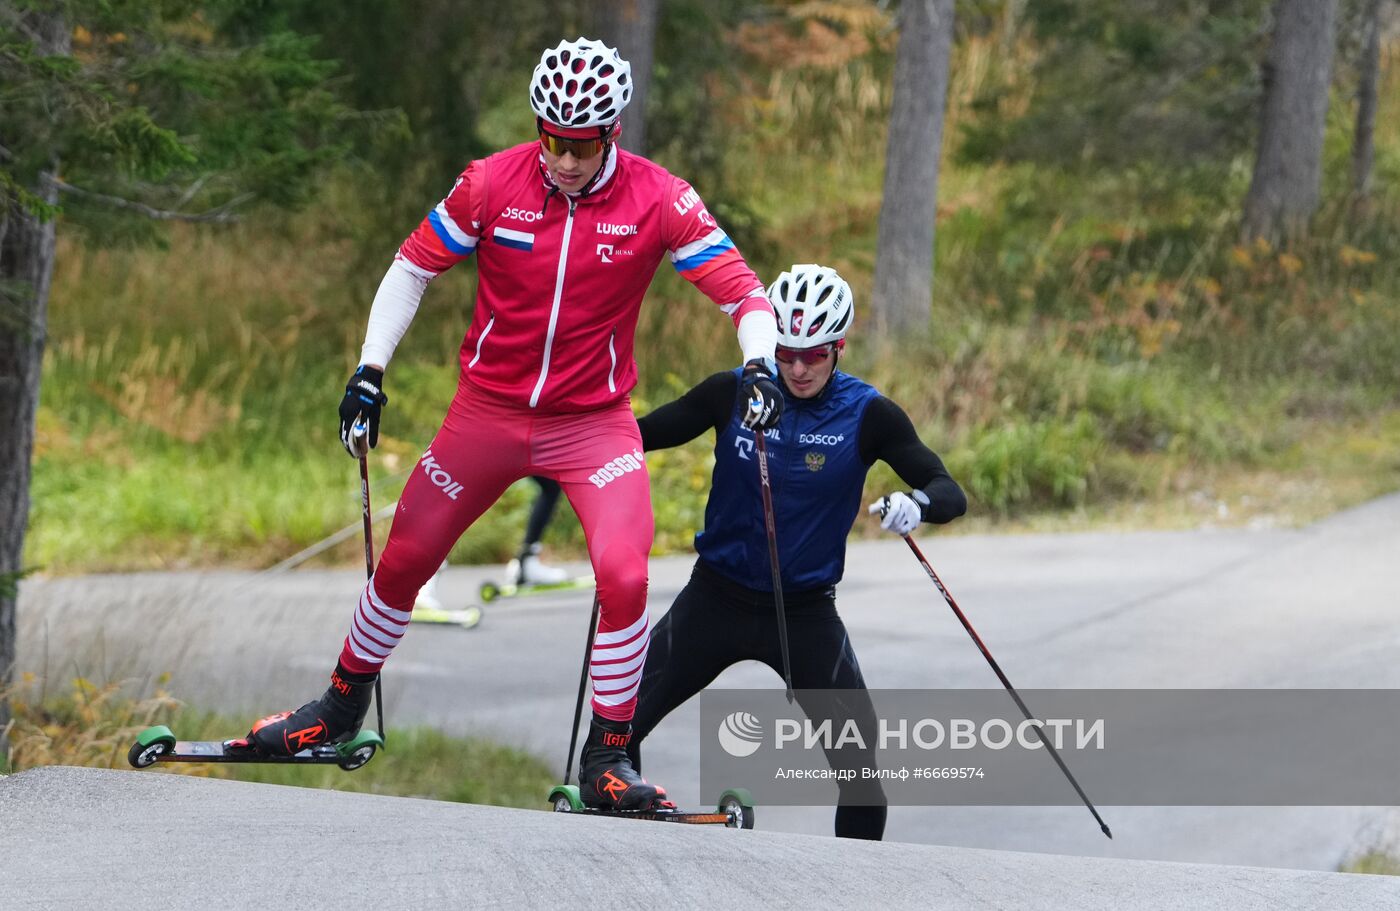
903 297
1297 74
1363 142
26 268
630 26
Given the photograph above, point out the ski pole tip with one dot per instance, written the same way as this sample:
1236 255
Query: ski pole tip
1106 831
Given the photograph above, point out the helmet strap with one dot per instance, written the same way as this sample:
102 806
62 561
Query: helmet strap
609 135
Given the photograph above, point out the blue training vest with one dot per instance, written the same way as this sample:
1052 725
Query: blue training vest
817 476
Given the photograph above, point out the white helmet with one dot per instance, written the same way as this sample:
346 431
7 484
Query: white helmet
581 83
814 306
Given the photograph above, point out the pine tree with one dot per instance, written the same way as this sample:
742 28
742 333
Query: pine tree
116 115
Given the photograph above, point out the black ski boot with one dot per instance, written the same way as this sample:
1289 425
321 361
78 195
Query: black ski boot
333 718
606 778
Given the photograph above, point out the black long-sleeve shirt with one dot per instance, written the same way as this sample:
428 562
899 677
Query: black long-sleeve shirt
886 434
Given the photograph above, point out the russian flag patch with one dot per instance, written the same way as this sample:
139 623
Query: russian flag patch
520 240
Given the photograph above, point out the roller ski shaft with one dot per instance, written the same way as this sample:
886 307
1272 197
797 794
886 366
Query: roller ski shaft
159 744
467 618
493 591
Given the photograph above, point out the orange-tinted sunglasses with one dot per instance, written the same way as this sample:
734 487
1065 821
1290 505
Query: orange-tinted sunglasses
579 148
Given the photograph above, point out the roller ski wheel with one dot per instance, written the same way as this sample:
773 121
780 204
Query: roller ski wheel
158 744
468 617
494 591
358 750
737 806
153 743
565 798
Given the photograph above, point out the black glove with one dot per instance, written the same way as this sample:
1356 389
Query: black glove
760 401
362 402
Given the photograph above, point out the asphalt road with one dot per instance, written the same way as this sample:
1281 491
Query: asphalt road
84 838
1265 608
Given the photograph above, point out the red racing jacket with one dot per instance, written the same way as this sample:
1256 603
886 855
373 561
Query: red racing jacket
561 279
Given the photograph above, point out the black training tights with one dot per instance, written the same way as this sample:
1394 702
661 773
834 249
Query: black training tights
715 623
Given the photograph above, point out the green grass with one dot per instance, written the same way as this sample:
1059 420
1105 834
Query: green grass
94 726
1376 863
417 762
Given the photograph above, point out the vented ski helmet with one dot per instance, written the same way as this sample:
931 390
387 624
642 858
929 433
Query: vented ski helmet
581 83
814 306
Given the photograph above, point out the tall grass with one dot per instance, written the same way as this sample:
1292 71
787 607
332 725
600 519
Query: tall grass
81 723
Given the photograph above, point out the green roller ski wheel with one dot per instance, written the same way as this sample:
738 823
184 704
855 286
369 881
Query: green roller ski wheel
489 591
737 803
359 750
153 743
565 799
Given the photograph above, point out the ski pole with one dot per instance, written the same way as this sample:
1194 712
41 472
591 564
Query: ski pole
882 506
360 432
582 679
773 557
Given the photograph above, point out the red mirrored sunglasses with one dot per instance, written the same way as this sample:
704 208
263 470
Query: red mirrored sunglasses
809 356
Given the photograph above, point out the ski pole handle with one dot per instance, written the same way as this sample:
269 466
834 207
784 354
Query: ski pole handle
880 507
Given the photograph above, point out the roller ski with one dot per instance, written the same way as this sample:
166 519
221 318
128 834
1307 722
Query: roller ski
159 744
492 591
324 731
467 618
429 609
733 811
528 575
610 786
608 783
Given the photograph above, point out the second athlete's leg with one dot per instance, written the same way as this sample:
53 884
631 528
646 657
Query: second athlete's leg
700 636
527 568
823 659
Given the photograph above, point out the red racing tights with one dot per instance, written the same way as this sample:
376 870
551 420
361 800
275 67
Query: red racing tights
483 447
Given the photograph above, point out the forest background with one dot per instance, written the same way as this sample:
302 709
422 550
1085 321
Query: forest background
1107 344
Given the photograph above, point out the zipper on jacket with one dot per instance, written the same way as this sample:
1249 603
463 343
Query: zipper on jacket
554 310
612 353
481 339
